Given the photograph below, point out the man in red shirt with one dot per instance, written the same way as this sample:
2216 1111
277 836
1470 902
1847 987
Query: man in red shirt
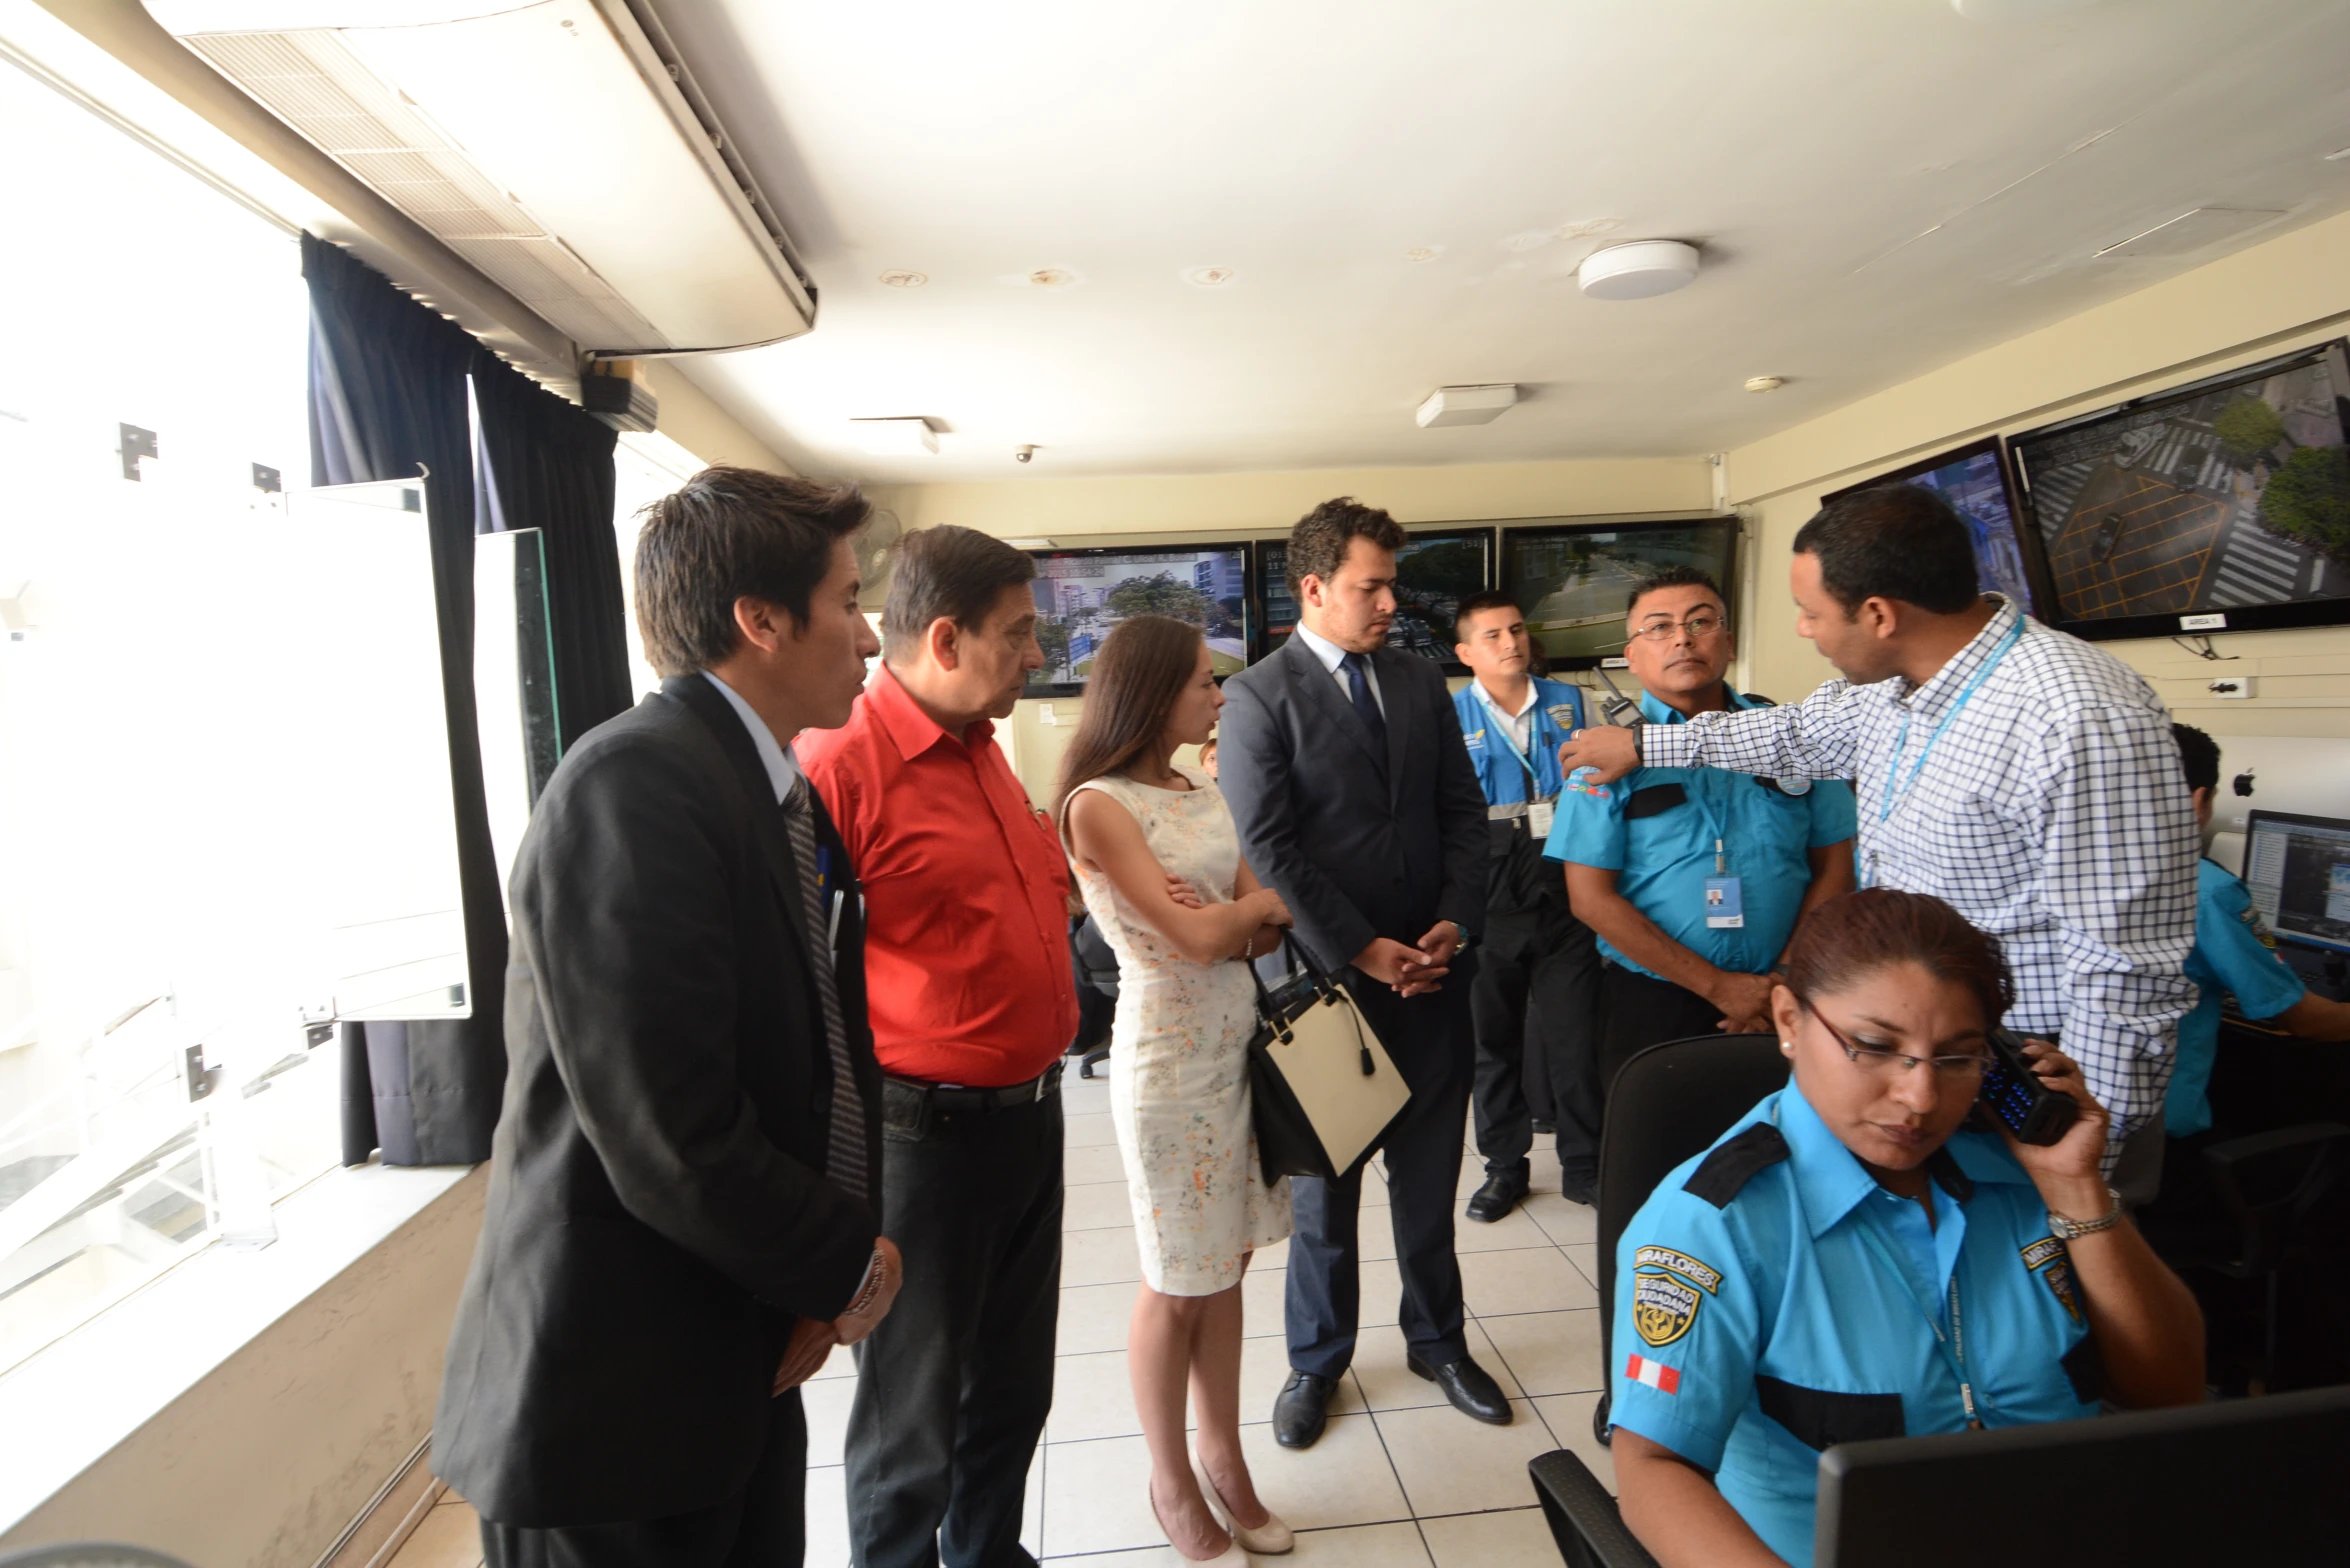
973 1000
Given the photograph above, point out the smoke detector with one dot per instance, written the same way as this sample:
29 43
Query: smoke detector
1637 270
1480 405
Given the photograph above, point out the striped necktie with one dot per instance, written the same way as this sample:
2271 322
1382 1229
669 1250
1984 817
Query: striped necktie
844 1161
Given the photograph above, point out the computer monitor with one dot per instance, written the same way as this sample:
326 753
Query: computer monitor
2237 1481
2298 871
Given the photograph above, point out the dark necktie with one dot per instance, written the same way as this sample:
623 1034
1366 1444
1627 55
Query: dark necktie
1358 690
844 1162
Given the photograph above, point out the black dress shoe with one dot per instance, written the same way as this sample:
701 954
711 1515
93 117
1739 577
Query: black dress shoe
1469 1386
1304 1409
1498 1196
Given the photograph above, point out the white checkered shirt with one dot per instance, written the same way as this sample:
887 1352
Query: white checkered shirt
2052 813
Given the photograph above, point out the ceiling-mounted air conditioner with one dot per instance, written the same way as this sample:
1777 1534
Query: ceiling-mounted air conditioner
559 146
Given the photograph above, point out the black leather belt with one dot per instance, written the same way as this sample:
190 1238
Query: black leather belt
950 1097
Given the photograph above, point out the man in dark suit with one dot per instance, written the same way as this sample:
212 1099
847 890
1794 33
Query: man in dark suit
1347 776
683 1205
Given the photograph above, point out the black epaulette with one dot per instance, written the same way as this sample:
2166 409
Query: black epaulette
1721 1175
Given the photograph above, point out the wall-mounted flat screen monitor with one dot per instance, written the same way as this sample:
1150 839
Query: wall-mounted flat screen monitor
1434 572
2223 505
1974 480
1572 581
1081 594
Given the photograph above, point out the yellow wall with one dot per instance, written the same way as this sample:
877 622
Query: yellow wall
1203 507
2250 306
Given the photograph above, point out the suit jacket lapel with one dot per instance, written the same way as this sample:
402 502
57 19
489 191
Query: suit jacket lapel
1321 690
766 816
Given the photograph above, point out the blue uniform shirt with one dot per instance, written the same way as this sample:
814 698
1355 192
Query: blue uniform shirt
1771 1301
1496 757
2233 953
1656 827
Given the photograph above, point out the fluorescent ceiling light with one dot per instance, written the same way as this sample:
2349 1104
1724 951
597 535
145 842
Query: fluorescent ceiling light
1478 405
896 437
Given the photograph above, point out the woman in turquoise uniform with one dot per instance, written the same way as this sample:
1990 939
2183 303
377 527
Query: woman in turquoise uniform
1857 1259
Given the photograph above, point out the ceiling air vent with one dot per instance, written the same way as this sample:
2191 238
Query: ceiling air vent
559 147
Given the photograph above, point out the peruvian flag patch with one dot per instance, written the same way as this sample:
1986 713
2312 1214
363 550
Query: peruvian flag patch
1664 1379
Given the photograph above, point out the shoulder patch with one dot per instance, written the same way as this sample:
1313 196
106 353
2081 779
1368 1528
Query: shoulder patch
1663 1307
1703 1275
1721 1175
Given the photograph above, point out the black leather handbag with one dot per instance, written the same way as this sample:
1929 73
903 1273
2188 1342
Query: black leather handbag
1322 1088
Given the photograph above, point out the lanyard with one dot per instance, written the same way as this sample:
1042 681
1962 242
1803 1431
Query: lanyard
1901 740
1533 728
1953 1344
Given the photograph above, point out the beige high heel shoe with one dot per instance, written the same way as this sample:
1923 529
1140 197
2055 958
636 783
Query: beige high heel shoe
1270 1539
1234 1555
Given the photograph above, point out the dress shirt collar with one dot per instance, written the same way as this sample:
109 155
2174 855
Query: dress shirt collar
774 756
1533 696
1656 712
1832 1181
1928 701
909 729
1331 655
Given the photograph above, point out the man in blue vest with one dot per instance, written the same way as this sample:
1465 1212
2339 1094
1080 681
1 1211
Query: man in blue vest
1535 950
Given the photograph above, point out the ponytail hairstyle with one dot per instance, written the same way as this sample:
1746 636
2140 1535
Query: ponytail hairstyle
1856 934
1142 667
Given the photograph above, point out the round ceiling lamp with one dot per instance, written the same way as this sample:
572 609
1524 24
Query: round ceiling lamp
1639 270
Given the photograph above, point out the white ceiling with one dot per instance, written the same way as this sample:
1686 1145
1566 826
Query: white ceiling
1878 186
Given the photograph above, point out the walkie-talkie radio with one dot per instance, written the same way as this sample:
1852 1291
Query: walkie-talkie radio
2035 1113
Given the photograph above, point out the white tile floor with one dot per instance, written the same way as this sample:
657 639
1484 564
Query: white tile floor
1399 1479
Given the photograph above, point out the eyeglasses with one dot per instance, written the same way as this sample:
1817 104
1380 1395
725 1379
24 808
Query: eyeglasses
1884 1063
1697 626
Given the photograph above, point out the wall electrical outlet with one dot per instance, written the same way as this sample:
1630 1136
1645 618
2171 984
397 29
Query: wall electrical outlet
2232 688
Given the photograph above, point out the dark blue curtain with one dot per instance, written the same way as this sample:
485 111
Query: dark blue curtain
388 400
547 464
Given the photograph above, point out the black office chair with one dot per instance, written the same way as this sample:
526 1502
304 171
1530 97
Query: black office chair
2267 1185
1667 1104
1097 994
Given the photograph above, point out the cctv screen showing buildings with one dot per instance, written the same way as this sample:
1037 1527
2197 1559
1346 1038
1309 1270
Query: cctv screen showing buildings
1434 572
1971 480
1082 594
1573 582
2230 497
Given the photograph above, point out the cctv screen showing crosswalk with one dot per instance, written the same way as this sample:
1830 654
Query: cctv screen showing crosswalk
2210 505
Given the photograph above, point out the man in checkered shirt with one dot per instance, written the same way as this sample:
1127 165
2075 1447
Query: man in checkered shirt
2025 777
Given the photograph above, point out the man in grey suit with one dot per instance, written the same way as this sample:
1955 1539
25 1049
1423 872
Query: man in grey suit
1356 802
683 1212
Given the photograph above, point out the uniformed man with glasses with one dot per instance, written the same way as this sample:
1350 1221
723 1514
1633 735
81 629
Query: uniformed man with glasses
1692 878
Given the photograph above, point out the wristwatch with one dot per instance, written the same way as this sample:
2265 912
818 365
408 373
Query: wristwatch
2066 1229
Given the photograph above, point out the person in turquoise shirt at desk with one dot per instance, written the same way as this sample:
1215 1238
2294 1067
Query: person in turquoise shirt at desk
2234 955
1693 878
1851 1260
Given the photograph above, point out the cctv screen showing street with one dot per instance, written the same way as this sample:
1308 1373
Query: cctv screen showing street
1081 594
1574 582
1972 480
2229 498
1434 572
